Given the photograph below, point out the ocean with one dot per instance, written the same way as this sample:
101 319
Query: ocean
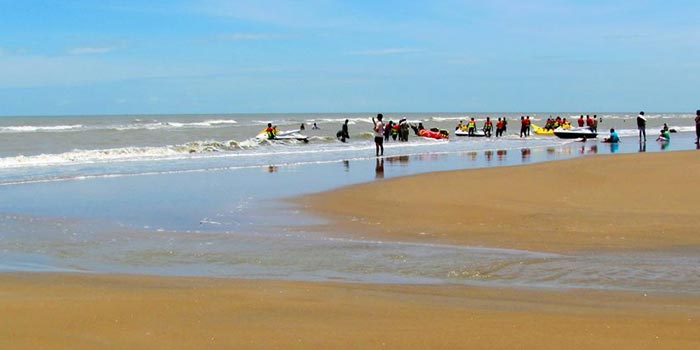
199 195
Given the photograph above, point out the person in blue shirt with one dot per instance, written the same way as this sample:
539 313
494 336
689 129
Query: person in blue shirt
614 138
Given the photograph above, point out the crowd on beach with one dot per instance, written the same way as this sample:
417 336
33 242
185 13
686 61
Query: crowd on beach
384 132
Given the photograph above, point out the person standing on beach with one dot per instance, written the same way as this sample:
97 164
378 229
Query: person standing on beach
642 126
697 127
379 134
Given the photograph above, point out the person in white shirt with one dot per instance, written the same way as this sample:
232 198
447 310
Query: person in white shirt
379 134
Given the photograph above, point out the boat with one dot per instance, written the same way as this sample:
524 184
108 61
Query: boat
575 133
542 131
284 135
477 133
438 135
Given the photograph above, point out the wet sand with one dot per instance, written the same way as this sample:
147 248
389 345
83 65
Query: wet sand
610 202
639 201
64 311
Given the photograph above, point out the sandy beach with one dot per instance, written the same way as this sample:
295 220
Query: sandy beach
620 202
627 201
63 311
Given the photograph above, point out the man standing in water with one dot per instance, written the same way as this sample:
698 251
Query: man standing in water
344 134
379 134
642 126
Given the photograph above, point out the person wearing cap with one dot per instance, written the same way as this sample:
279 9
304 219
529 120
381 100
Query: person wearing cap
642 126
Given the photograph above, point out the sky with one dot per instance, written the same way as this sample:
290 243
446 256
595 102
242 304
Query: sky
62 57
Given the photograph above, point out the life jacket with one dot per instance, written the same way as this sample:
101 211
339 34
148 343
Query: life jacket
488 125
499 124
471 125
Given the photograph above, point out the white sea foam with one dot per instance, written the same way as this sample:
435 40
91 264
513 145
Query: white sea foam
38 128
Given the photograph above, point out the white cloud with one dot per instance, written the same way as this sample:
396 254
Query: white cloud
91 50
387 51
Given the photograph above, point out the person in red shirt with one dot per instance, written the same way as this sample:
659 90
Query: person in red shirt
580 121
523 127
499 128
589 121
527 130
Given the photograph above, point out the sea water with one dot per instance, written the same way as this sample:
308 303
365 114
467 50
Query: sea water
198 195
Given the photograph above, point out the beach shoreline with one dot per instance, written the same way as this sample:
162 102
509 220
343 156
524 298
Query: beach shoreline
639 201
88 311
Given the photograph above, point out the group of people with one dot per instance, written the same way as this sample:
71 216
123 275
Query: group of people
664 135
487 128
553 123
592 123
396 130
380 130
525 126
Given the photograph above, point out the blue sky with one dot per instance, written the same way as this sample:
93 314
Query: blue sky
215 56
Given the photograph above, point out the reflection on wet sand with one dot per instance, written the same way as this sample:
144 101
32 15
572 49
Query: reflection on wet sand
593 149
401 160
489 155
525 153
501 153
379 169
430 156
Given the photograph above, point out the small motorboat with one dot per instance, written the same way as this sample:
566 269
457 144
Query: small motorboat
576 133
477 133
284 135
